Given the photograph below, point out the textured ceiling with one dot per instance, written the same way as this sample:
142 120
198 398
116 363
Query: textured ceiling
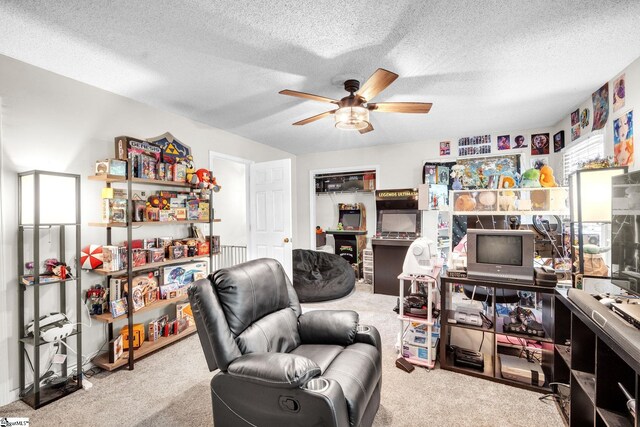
486 65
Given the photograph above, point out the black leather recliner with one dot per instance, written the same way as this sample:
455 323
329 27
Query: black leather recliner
279 367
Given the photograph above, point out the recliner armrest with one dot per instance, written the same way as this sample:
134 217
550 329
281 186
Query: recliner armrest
283 370
328 327
369 335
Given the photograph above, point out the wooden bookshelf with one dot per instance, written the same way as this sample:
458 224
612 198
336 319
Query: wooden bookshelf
144 181
146 348
135 224
108 318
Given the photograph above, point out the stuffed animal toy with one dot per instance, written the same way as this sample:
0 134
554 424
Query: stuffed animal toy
204 179
192 178
546 177
465 202
507 201
530 179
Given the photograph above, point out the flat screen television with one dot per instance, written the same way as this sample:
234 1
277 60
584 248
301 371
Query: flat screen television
625 231
500 255
398 224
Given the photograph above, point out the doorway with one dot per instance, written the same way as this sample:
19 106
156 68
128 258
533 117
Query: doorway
231 206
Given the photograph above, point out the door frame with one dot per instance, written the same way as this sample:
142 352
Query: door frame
6 394
312 192
247 163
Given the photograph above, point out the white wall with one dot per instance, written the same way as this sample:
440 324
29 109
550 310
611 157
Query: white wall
50 122
400 167
231 202
632 95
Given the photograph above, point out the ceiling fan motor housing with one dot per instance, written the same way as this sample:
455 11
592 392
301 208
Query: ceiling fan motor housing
351 85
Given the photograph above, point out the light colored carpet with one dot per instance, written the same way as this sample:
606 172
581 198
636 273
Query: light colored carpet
171 388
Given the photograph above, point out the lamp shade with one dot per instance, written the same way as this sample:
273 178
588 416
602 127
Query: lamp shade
352 118
591 194
47 197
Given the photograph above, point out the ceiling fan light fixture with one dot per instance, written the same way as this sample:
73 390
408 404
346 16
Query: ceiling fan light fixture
352 118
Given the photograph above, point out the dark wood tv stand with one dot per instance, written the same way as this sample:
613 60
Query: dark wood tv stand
494 337
593 365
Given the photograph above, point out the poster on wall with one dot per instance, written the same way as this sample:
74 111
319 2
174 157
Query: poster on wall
474 145
442 175
575 117
600 100
618 93
445 148
430 176
538 162
558 141
539 144
478 173
584 118
504 142
575 132
519 142
623 139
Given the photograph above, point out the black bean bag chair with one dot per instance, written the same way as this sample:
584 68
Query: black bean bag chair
321 276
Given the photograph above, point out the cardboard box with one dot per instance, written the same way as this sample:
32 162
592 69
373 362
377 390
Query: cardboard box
126 145
138 335
185 274
418 352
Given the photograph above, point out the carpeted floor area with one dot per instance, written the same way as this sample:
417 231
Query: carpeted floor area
171 388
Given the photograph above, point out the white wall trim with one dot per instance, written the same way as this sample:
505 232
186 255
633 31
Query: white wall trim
216 155
6 396
312 192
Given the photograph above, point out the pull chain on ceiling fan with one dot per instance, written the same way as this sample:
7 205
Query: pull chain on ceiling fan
353 110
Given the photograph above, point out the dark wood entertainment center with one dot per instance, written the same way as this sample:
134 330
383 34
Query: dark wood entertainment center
492 366
593 365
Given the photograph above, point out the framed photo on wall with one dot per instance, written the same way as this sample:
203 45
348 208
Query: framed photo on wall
539 144
558 141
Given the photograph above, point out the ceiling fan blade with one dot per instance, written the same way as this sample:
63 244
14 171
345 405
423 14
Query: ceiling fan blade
378 82
367 129
314 118
401 107
307 96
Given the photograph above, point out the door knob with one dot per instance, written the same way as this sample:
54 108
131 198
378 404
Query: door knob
286 240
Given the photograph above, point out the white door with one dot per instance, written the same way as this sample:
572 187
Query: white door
270 211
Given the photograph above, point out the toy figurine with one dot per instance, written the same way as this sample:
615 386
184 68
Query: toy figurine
530 179
57 268
340 226
546 177
207 181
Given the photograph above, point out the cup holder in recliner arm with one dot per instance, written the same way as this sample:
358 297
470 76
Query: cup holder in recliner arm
363 329
316 384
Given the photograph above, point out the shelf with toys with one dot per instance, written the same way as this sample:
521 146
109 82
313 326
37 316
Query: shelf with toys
144 275
145 348
535 192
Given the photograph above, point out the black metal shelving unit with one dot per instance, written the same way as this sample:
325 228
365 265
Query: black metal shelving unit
37 396
146 348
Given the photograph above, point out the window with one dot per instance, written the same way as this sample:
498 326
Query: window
588 149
